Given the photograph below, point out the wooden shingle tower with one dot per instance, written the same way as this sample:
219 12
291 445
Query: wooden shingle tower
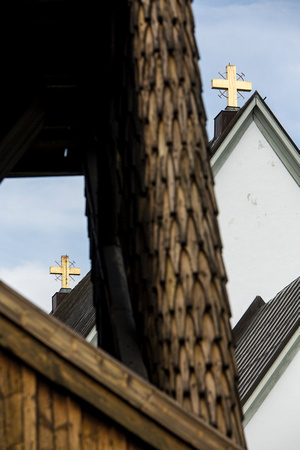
126 101
161 213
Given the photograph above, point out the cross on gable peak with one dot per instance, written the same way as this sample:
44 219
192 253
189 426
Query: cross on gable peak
232 85
65 271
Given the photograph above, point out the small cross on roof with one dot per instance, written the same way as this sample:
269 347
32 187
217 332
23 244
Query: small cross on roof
65 271
232 85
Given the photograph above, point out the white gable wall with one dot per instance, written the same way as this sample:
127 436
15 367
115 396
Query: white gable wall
283 405
259 218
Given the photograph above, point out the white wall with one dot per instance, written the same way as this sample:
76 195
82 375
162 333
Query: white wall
283 405
259 204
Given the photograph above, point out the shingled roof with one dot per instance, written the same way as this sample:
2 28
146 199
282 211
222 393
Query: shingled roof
264 338
77 310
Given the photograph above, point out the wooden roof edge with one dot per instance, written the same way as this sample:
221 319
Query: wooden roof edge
249 315
271 361
62 356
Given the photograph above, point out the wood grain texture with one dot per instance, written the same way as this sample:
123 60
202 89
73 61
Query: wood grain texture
12 393
172 236
149 189
29 408
38 415
45 430
68 375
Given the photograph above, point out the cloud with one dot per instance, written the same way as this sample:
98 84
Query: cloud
32 280
41 219
30 198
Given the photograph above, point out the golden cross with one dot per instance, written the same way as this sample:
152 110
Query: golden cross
232 85
65 271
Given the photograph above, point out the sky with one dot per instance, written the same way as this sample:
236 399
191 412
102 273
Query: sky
42 219
262 39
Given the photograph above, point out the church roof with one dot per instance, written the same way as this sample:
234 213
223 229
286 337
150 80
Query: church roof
77 310
62 357
255 109
262 339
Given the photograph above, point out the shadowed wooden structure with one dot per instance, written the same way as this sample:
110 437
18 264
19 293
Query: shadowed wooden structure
59 392
118 99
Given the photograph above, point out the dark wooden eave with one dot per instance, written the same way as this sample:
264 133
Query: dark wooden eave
52 56
54 99
63 357
20 137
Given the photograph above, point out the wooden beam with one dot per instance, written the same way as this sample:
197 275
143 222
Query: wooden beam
63 357
122 315
49 159
20 137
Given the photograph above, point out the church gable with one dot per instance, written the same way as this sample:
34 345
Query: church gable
259 202
255 111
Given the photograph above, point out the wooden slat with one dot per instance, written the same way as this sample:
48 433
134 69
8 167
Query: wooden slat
58 370
45 416
90 432
124 325
74 415
60 420
12 390
2 416
29 408
66 359
90 429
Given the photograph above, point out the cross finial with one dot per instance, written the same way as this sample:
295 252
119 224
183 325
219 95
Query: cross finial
65 271
232 85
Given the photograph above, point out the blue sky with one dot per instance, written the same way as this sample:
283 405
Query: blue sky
263 40
42 219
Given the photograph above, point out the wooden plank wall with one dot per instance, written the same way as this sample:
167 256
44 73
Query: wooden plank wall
35 414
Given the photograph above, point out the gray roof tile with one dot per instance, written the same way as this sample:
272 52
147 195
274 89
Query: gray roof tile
77 310
265 337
